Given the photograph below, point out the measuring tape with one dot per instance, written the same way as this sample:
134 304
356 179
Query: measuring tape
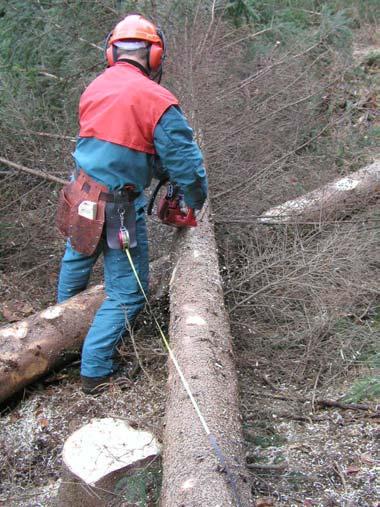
124 242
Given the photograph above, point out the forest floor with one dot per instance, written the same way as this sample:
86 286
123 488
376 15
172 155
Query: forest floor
305 454
302 454
34 429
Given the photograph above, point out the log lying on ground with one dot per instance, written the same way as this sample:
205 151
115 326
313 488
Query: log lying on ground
334 200
107 462
201 341
33 346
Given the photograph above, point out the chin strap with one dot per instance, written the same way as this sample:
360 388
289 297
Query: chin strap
157 76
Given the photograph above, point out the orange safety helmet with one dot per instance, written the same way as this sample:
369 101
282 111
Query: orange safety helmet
135 27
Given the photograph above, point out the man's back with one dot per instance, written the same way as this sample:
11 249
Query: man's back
123 106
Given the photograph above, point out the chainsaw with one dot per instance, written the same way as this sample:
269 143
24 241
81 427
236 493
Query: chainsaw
171 208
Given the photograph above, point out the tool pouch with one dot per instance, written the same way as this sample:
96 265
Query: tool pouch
84 233
113 223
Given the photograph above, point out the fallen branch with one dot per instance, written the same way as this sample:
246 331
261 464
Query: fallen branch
34 172
251 179
46 134
338 198
339 472
238 41
291 416
270 467
344 406
321 403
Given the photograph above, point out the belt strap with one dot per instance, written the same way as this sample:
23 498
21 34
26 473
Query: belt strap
128 192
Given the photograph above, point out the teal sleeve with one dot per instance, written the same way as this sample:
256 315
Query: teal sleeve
181 157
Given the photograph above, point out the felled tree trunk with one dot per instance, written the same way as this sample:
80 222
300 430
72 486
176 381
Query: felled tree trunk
33 346
201 341
107 462
337 199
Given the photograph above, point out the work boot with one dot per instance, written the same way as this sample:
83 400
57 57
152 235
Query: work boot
98 385
95 385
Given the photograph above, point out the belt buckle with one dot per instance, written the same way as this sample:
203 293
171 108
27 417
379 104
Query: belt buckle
128 191
120 194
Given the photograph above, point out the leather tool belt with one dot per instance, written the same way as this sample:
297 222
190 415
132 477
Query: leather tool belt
84 206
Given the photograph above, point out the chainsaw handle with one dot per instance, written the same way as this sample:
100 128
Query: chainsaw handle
160 184
187 219
170 210
191 214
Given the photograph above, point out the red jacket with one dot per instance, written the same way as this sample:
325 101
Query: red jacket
123 106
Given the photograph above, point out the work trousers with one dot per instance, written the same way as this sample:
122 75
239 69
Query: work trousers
123 299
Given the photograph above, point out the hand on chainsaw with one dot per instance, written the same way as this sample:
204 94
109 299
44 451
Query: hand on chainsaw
173 210
181 201
185 209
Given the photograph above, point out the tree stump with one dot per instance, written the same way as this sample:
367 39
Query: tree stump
108 463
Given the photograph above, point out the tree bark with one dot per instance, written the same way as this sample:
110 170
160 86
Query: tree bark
33 346
108 463
201 341
335 200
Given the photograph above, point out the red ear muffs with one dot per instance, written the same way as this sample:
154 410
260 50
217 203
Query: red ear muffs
109 51
155 56
109 56
156 52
